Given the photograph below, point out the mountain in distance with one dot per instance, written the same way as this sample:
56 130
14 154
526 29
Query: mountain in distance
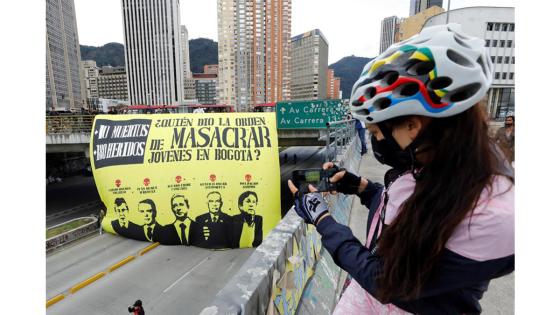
202 52
111 54
348 69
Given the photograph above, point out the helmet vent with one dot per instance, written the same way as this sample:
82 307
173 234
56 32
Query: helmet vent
382 103
439 83
463 93
364 82
406 90
389 78
370 92
363 112
403 58
419 67
369 118
458 58
462 36
357 103
460 41
479 61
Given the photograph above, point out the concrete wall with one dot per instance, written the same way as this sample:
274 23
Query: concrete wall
290 271
69 138
72 235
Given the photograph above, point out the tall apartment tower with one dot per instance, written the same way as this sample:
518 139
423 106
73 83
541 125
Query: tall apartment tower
186 58
253 52
417 6
389 31
309 63
333 85
153 51
90 75
65 89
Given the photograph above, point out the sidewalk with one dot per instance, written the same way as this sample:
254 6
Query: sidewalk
499 299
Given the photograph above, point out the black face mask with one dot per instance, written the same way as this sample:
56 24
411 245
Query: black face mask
389 152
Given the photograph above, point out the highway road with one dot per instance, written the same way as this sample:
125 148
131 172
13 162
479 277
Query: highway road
168 279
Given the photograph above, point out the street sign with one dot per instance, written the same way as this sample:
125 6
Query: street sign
308 114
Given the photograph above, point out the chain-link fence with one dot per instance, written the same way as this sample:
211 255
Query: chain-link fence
67 124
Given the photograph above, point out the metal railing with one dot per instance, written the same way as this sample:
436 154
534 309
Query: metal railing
342 132
67 124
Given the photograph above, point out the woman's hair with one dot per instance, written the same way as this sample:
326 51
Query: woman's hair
462 163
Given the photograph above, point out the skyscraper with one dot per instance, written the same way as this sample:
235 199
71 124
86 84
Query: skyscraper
65 89
253 51
153 52
309 62
333 85
389 31
90 75
417 6
186 59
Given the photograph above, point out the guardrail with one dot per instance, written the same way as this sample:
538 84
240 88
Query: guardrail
88 205
68 124
72 235
290 271
342 131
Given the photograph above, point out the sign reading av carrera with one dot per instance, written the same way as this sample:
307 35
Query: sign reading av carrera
308 114
209 180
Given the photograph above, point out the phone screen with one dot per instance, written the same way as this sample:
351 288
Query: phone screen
312 176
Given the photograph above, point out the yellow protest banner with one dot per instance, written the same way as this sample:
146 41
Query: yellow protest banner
209 180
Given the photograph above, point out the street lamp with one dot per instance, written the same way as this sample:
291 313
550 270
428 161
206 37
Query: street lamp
447 15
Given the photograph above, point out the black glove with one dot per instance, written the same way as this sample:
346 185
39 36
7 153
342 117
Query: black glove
310 206
348 184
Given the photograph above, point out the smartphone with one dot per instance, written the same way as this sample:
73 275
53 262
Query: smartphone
317 177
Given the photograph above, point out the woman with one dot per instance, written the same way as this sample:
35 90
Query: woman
247 225
444 224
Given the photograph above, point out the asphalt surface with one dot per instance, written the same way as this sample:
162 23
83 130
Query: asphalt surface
73 191
168 279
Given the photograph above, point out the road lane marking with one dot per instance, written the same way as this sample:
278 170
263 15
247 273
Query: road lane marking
86 282
121 263
186 274
55 299
148 248
99 275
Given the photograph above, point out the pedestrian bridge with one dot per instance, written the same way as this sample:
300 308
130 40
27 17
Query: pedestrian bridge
71 133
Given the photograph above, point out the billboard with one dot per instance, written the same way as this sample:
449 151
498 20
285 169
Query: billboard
208 180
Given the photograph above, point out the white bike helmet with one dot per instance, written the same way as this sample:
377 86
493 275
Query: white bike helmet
438 73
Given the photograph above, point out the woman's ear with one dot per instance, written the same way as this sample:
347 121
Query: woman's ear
414 126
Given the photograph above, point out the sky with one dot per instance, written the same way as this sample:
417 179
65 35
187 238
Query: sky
352 27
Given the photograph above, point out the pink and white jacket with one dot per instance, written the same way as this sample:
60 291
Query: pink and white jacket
480 249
